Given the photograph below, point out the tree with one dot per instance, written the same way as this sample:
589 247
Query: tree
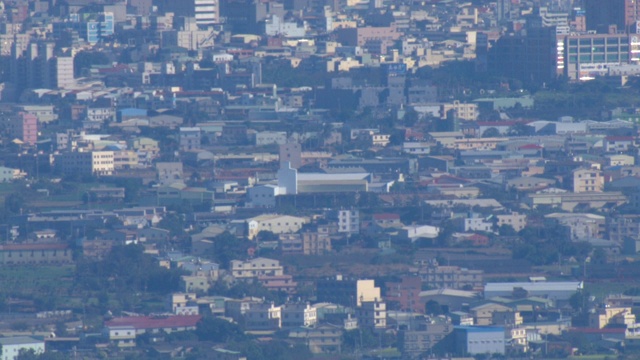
520 129
599 256
432 307
30 354
218 330
227 247
491 132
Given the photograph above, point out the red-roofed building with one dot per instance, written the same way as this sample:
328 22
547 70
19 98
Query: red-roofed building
530 147
47 253
618 143
123 331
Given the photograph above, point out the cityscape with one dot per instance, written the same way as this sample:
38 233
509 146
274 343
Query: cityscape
319 179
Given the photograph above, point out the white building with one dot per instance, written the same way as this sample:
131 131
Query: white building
264 195
271 137
207 12
277 27
349 221
295 183
277 224
253 268
478 224
11 346
86 163
515 220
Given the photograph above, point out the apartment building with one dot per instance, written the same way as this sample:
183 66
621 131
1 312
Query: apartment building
450 277
372 314
587 180
253 268
86 163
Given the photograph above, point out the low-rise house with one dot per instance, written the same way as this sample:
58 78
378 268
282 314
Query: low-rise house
298 315
483 314
515 220
124 330
322 339
282 283
603 317
263 317
8 174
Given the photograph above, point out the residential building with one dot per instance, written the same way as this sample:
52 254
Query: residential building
315 243
86 163
611 316
282 283
196 284
582 226
461 111
415 342
450 277
587 180
478 223
169 172
618 143
621 227
346 291
189 138
298 314
405 293
254 268
23 126
205 12
621 13
515 220
263 317
9 174
372 314
349 221
322 339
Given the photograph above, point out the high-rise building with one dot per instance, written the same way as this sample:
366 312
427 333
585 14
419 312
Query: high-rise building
206 12
530 56
590 55
503 10
24 127
621 13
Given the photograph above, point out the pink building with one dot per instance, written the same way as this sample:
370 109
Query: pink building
24 126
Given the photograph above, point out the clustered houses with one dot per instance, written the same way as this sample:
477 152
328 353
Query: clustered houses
359 165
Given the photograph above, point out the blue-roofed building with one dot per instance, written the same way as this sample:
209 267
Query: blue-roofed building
473 340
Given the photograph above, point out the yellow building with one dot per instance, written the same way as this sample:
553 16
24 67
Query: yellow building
587 180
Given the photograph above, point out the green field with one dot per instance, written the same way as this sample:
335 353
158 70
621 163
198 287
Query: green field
26 281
